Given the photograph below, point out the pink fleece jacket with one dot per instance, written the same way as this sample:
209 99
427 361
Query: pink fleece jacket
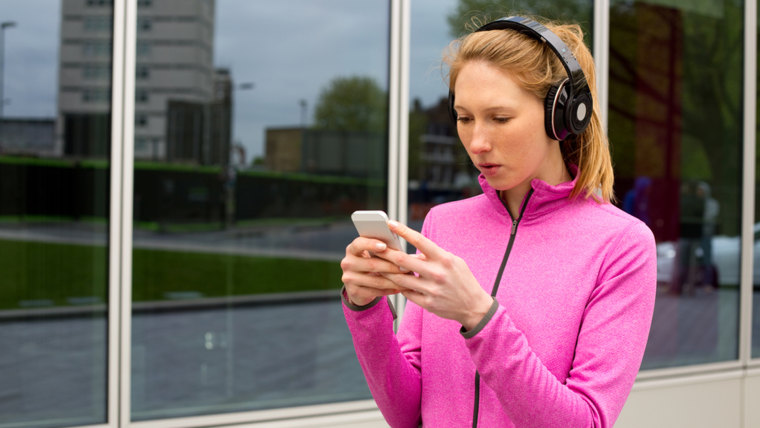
563 344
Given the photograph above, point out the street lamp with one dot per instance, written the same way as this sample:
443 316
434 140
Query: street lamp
303 105
3 26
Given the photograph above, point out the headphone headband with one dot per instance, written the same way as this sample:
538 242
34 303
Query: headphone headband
537 31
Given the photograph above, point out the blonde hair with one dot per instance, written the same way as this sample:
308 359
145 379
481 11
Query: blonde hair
537 68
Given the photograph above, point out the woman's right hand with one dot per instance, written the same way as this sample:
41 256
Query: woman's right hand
363 273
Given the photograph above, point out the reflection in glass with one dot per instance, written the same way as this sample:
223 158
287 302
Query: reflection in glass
675 129
260 127
55 111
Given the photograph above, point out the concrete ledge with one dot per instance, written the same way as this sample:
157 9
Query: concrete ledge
172 305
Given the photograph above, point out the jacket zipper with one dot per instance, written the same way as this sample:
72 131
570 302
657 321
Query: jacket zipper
494 290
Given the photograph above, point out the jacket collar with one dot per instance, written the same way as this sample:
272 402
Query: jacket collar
545 198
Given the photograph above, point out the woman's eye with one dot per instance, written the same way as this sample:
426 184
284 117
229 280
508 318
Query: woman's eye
463 119
501 119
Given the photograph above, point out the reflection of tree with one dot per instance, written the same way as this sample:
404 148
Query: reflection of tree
418 122
675 101
460 20
352 104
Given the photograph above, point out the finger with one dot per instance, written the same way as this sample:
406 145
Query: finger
420 242
417 298
361 244
368 280
408 282
366 264
405 263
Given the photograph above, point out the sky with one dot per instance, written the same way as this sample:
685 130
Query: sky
289 51
31 57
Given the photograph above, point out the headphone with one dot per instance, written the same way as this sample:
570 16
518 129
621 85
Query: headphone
568 104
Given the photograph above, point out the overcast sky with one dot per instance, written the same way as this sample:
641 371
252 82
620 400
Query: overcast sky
289 50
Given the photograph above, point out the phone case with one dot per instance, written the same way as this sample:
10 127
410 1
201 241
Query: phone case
374 224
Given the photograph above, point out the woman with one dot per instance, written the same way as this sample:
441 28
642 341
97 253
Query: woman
530 304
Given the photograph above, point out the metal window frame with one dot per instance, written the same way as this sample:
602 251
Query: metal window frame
120 221
398 123
115 245
748 184
602 45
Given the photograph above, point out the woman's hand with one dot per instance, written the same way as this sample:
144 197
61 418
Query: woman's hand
444 286
363 274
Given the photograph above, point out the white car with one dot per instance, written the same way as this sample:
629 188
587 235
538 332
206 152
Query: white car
726 258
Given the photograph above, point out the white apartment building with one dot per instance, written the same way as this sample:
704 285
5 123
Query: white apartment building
174 56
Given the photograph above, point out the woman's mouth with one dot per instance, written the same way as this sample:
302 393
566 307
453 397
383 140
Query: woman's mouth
488 169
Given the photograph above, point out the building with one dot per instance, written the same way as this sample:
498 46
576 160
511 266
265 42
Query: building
174 68
35 137
324 152
199 132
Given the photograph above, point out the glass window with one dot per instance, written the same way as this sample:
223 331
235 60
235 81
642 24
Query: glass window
255 155
439 168
143 49
101 23
675 125
145 24
143 72
94 71
54 175
95 48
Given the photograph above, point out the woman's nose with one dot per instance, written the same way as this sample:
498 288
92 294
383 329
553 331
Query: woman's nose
480 142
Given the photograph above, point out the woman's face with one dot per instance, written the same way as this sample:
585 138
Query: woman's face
501 126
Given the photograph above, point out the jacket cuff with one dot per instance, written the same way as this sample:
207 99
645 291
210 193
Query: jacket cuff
354 307
487 317
371 304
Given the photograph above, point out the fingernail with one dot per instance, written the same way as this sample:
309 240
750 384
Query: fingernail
380 246
403 269
392 223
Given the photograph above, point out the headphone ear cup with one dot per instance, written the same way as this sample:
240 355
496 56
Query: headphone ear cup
579 114
550 112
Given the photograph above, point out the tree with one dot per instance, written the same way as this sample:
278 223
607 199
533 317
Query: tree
471 14
352 104
675 101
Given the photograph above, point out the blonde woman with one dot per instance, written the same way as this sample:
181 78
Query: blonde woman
530 304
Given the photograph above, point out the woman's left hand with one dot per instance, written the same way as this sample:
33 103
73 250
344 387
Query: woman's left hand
445 285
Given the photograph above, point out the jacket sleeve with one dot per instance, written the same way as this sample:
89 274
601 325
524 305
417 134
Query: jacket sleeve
390 365
608 353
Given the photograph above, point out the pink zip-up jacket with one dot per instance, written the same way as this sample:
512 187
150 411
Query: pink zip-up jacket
564 340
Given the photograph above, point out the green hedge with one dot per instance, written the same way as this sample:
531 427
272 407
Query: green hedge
38 273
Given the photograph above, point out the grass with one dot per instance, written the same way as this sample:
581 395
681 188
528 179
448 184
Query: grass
51 274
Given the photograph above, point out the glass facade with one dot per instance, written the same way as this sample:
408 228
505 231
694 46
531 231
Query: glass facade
675 127
250 162
258 129
54 203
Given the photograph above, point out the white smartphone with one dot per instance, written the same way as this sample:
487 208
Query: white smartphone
374 224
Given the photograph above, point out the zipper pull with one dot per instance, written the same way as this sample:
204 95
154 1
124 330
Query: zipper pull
514 227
